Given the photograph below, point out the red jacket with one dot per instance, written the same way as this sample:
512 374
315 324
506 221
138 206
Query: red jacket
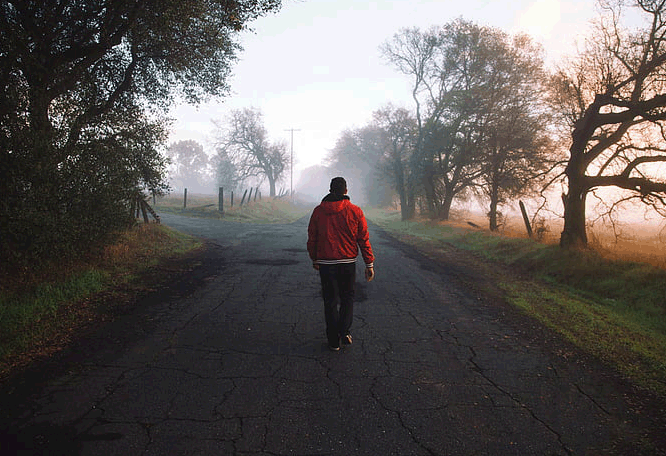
336 231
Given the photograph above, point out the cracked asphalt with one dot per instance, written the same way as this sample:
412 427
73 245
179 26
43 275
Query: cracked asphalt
232 360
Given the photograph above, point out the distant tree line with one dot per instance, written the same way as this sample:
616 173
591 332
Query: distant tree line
189 166
84 92
489 120
244 155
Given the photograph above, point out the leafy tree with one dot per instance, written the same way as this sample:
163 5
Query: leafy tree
450 66
398 129
225 172
466 80
244 141
75 81
357 156
189 165
515 133
613 97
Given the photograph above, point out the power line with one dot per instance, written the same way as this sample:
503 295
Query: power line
291 187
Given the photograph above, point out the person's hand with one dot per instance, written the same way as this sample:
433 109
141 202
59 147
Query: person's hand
369 274
315 266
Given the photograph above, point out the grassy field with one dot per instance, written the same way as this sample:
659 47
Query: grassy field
609 307
40 313
266 210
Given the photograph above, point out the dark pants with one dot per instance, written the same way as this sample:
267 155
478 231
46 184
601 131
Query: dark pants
338 280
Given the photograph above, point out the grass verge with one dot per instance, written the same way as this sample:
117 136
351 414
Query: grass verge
41 313
612 309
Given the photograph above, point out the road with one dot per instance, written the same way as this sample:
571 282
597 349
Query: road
232 360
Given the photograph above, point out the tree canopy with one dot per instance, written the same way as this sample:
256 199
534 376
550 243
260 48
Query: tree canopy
189 166
479 122
84 87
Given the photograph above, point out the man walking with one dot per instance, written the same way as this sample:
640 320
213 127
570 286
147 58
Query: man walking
336 231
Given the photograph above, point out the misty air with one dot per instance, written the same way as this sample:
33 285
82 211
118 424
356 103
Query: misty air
312 227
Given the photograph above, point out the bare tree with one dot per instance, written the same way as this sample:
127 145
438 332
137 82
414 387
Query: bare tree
244 141
613 97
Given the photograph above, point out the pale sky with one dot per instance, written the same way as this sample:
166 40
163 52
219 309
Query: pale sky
316 66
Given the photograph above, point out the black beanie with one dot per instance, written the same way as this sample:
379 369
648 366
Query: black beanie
338 186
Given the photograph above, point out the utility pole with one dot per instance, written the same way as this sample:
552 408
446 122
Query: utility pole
291 187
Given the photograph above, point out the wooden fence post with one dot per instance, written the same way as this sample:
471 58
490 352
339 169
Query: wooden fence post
526 219
145 207
220 198
243 198
232 198
185 199
142 204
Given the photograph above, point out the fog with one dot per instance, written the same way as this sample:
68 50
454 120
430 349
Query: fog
316 66
326 86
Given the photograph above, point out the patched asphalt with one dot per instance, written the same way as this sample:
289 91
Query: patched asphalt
231 359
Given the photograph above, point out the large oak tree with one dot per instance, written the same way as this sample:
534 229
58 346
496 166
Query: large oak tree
613 97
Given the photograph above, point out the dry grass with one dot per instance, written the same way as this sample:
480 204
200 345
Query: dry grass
642 242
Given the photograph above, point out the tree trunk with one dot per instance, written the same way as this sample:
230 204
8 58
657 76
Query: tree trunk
271 185
492 213
402 190
409 212
445 209
429 187
492 216
404 209
574 235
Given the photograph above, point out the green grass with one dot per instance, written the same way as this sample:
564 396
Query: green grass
42 312
266 210
612 309
26 316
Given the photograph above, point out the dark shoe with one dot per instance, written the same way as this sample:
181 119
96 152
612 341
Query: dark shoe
334 344
346 339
